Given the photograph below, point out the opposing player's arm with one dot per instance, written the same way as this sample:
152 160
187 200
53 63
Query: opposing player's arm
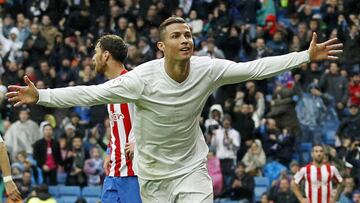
10 186
339 181
295 184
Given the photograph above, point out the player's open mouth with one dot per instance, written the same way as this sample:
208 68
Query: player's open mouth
185 49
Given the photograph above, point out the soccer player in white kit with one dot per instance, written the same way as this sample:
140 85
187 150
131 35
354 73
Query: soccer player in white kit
318 177
10 186
169 95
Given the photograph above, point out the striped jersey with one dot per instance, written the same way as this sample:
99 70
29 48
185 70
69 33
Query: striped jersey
121 116
318 181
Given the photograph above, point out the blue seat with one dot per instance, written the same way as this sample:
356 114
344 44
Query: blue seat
261 181
258 192
330 137
92 199
305 147
54 191
68 199
61 178
69 191
91 191
305 157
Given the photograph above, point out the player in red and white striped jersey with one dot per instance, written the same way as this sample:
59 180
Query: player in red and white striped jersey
318 177
121 183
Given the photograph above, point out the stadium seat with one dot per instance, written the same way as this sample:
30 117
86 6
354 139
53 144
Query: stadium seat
305 147
258 192
92 199
67 199
54 191
61 178
261 181
69 191
330 137
91 191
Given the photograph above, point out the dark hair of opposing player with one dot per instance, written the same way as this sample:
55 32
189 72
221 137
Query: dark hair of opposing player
115 45
317 145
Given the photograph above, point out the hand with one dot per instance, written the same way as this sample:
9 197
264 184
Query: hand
23 94
45 168
106 165
12 191
129 150
324 51
340 105
304 200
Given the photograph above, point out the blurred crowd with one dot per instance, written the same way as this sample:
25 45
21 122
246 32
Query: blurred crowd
253 129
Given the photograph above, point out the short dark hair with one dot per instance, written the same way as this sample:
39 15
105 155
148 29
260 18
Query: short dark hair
167 22
318 145
115 45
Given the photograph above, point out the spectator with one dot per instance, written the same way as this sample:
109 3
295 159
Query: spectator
34 46
277 45
283 110
22 134
47 155
146 53
332 83
282 193
211 50
93 167
350 126
226 142
41 195
74 163
254 159
354 90
215 118
25 185
215 172
49 32
242 187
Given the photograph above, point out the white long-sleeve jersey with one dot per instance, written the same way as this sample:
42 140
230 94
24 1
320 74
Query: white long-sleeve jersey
169 141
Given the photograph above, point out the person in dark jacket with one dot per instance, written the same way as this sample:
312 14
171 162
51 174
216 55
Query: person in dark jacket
334 84
47 155
242 185
282 193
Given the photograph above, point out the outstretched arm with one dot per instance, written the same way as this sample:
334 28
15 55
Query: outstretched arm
270 66
10 186
123 89
296 189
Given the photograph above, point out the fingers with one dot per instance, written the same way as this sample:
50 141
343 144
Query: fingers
314 38
334 46
332 58
335 52
13 99
330 41
11 94
15 195
19 103
14 88
28 81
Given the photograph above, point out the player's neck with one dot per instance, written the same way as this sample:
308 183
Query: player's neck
114 70
317 164
177 70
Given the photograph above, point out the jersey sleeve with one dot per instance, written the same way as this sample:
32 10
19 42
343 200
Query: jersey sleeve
230 72
123 89
300 175
337 177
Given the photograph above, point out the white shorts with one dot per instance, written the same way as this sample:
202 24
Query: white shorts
194 187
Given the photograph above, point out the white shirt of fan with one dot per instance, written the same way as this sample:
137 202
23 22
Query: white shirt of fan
169 141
